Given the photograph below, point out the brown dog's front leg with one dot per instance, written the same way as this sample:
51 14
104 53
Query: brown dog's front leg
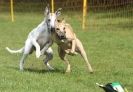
62 56
73 46
68 70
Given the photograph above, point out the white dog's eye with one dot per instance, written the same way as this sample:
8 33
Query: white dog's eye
48 20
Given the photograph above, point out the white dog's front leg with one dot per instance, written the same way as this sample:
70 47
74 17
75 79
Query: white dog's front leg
38 52
46 47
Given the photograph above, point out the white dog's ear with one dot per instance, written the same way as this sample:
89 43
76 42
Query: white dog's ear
58 12
47 10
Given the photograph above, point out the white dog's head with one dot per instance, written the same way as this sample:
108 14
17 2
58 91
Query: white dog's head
51 17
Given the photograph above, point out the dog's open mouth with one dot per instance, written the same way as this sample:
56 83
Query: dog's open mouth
61 37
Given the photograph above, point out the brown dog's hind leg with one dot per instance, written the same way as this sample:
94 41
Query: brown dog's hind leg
82 52
62 56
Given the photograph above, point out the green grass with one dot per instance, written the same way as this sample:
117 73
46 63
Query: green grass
108 43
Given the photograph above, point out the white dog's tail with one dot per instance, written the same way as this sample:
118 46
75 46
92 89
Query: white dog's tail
14 51
100 85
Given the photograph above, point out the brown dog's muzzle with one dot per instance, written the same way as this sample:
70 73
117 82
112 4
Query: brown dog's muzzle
61 35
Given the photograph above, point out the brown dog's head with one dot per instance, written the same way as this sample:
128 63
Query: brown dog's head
60 29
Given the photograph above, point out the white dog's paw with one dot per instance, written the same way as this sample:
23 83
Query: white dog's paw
21 67
49 67
38 54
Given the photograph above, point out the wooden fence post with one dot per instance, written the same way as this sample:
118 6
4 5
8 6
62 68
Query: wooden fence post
84 13
12 10
52 5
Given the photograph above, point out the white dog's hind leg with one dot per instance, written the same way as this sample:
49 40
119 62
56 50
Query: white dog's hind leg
27 49
24 56
49 56
14 51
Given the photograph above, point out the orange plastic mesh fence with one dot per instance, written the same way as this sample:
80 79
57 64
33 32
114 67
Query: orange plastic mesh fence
72 9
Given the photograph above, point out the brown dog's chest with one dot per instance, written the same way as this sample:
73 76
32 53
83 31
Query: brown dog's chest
65 46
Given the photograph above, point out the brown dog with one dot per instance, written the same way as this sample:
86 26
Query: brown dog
68 43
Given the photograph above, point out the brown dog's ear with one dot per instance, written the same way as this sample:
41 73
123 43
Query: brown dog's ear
58 12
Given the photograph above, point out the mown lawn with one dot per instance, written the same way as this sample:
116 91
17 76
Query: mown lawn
108 44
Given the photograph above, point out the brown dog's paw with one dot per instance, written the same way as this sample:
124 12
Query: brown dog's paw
91 72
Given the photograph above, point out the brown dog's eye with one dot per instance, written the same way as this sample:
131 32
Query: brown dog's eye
64 28
57 29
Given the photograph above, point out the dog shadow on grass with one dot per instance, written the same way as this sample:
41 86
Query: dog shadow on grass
44 70
33 70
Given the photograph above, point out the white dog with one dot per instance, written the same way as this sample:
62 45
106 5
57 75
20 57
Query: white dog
39 39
